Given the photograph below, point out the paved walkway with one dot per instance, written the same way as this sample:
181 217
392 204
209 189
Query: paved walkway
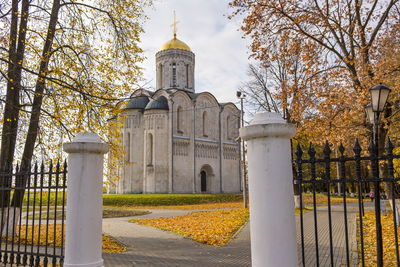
148 246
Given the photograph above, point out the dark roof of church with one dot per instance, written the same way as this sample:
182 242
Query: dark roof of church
160 103
139 102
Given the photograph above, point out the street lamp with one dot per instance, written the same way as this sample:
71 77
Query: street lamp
370 113
241 97
379 96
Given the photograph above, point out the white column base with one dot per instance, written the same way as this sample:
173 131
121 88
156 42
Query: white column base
93 264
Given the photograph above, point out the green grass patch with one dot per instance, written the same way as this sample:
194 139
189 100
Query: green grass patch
168 199
107 213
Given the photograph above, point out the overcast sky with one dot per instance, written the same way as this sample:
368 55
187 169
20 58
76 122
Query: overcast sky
221 53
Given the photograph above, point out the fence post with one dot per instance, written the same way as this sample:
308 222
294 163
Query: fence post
272 219
84 201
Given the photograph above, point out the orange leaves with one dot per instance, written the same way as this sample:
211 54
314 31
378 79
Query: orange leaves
24 235
209 227
389 249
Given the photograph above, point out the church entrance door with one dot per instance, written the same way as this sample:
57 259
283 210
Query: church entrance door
203 181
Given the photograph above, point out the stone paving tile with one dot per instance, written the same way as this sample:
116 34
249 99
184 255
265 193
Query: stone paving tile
152 247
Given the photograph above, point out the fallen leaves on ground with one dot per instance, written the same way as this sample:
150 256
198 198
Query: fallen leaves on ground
369 234
209 227
323 199
54 237
297 211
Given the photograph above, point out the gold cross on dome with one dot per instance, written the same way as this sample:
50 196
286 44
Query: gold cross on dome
173 25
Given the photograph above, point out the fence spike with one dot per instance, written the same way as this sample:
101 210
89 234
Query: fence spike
327 149
341 149
371 148
389 147
299 151
357 148
36 167
311 151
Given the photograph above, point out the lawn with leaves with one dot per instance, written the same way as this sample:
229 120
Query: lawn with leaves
107 213
134 200
208 227
209 206
323 199
389 248
54 237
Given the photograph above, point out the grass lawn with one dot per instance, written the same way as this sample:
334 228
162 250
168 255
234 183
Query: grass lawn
107 213
168 199
209 227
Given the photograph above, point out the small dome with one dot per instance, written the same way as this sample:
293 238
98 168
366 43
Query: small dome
139 102
160 103
175 44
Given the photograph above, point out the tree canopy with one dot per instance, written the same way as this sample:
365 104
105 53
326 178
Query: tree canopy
327 54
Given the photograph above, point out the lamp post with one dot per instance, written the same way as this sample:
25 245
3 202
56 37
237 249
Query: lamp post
243 155
379 96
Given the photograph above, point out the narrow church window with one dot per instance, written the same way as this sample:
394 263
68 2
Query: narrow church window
161 76
128 147
174 74
187 75
204 124
179 120
228 136
149 149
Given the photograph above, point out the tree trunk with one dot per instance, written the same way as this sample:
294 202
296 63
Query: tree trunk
37 104
12 105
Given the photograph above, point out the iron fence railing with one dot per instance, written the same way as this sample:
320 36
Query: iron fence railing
362 173
32 215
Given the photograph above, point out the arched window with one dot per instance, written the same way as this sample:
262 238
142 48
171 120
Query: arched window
205 124
174 74
149 149
179 122
228 135
128 147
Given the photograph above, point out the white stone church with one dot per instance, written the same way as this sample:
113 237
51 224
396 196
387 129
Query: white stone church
176 140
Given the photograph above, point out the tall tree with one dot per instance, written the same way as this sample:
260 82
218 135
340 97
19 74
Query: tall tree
347 35
65 65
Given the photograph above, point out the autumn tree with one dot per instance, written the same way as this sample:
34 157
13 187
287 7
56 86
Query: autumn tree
64 65
356 43
347 35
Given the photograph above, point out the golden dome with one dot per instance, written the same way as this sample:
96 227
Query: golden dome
175 44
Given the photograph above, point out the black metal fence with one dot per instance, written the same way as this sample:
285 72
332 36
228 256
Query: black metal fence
32 212
337 233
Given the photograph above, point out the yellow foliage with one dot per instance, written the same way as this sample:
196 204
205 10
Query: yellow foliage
323 199
209 227
55 233
369 233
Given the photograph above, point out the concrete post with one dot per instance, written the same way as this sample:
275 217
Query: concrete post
84 201
272 219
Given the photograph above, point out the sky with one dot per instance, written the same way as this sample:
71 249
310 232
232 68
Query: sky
221 52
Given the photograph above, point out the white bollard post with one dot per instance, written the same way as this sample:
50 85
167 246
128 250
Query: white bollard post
272 219
83 242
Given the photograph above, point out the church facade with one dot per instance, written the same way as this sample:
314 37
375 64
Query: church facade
176 140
